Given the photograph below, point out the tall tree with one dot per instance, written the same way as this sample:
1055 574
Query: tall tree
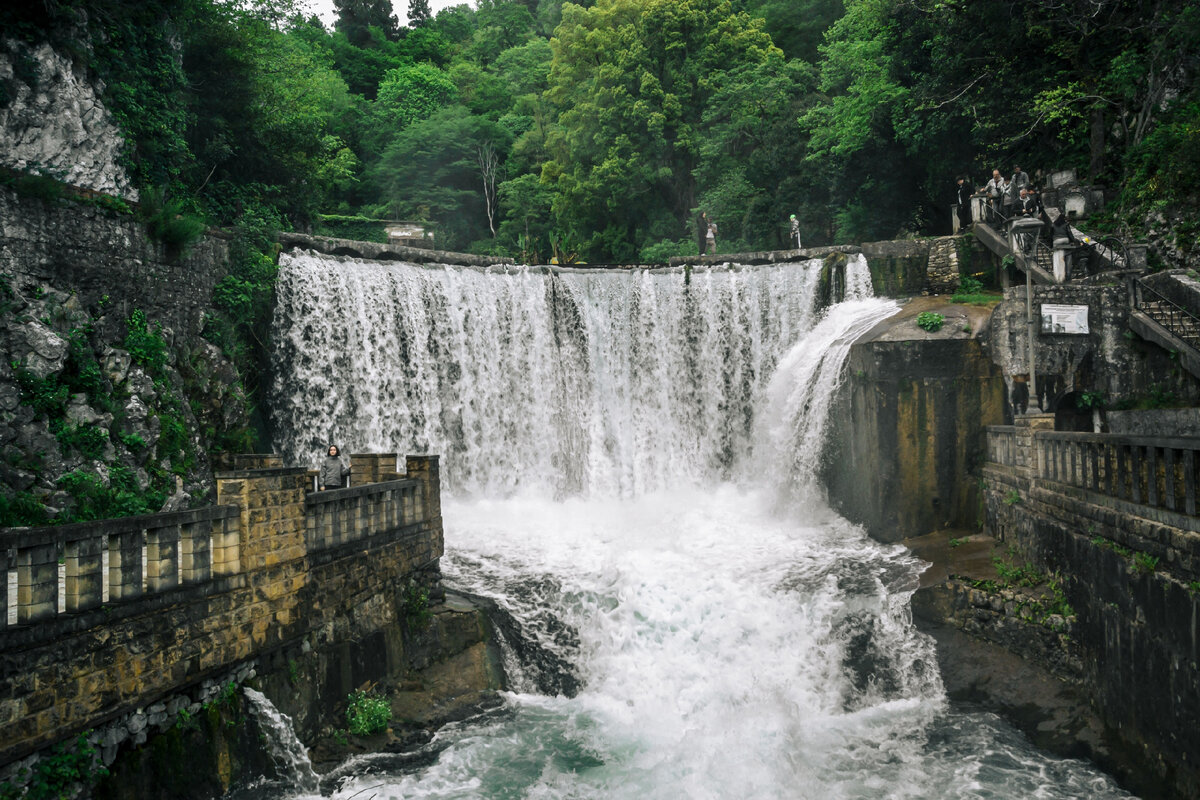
356 17
418 13
630 80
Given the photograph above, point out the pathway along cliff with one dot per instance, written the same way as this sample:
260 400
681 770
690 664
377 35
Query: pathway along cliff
630 459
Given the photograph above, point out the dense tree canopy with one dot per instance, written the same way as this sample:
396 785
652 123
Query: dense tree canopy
531 127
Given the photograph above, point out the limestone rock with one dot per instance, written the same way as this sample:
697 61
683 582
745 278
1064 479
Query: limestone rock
59 126
45 352
115 364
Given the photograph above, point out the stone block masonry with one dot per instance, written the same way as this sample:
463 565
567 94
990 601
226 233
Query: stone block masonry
1116 517
92 251
187 596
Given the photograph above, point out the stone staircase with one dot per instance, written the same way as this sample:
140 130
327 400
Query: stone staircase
1159 319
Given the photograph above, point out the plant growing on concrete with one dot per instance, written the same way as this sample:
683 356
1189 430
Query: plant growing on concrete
1013 498
367 714
930 321
416 606
1145 563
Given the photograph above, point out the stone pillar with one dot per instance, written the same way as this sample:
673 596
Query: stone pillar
124 565
425 469
84 578
226 539
1061 262
37 583
195 558
162 558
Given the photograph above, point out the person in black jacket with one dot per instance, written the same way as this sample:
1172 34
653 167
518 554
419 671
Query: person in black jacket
963 198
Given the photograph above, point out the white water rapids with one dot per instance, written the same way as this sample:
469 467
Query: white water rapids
630 466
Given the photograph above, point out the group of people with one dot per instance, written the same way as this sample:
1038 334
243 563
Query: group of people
1007 198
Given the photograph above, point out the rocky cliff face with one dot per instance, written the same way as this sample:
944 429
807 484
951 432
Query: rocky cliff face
52 121
110 399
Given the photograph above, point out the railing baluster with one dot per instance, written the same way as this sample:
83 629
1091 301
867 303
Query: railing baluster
1152 475
1136 463
1189 481
1169 474
125 565
84 578
37 582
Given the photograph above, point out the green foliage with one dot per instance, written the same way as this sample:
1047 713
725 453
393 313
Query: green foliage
87 439
1090 400
930 321
1013 498
976 299
22 509
146 347
66 768
367 714
1145 563
356 227
666 249
47 396
167 222
968 284
1014 575
415 606
95 500
46 188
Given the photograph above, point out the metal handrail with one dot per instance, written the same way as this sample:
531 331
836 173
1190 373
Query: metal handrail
1173 318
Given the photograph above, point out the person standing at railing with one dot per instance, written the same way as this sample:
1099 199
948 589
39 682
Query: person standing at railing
796 231
1012 194
333 472
1030 205
963 194
995 190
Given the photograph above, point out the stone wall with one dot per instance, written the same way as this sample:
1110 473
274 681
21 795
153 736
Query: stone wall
54 123
1110 360
74 671
108 262
906 426
1130 574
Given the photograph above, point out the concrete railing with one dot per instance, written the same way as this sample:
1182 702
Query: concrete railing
268 515
1005 446
1145 470
93 563
340 516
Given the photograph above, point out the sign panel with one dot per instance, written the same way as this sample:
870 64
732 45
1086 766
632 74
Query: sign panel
1064 319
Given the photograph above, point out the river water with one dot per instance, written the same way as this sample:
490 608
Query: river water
629 463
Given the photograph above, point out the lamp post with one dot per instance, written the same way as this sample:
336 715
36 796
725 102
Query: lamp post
1025 231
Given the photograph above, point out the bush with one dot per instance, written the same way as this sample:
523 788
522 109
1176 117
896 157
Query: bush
930 321
367 714
87 439
146 347
166 222
666 249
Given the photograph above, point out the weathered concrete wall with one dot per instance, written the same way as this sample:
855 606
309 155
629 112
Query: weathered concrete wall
906 428
1136 625
54 123
898 268
75 671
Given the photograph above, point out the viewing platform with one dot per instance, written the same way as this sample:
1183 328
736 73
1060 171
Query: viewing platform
115 615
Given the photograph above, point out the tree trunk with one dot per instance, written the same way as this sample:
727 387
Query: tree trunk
1096 145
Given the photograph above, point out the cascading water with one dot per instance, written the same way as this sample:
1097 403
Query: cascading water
631 459
288 753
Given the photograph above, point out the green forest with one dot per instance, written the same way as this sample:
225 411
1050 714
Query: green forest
599 131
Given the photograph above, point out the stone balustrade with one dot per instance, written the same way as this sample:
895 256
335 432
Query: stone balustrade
115 614
116 559
1138 469
1144 470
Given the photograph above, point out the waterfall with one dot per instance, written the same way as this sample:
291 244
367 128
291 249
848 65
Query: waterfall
288 754
630 462
571 382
